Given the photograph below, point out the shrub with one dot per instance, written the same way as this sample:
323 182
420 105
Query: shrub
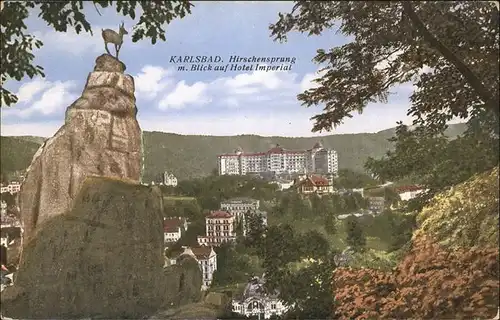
431 282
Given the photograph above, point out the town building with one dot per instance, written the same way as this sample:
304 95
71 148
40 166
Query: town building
283 184
3 208
376 204
361 191
173 228
279 160
408 192
238 207
256 302
313 184
169 179
12 187
219 229
207 260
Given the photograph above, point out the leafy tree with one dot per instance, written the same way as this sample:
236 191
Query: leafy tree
279 247
238 229
313 245
17 46
255 229
436 162
308 291
393 228
431 282
190 237
298 207
9 198
392 43
349 179
232 267
355 237
330 223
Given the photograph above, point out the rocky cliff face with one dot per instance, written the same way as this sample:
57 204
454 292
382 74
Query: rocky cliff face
100 137
102 259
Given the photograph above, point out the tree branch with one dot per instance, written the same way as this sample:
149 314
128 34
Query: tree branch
491 100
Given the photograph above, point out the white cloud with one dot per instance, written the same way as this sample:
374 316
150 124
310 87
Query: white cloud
267 80
151 81
308 80
183 95
242 89
293 122
78 44
56 97
72 43
28 90
385 63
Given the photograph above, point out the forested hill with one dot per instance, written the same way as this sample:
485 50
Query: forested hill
189 156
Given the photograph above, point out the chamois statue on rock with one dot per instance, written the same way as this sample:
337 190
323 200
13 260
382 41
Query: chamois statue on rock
111 36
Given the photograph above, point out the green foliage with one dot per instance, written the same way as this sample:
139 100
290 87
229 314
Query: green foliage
17 46
234 266
211 190
356 237
16 154
194 156
313 245
436 162
299 266
458 40
186 207
392 228
255 229
189 157
190 237
9 198
466 215
349 179
309 290
374 259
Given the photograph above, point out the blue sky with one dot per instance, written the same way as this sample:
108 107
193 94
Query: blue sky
207 103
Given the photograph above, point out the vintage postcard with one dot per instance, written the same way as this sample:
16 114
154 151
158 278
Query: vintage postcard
249 160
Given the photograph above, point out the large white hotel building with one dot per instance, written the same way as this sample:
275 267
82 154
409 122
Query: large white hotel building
279 160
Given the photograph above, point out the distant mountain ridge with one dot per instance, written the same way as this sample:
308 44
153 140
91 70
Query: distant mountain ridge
189 156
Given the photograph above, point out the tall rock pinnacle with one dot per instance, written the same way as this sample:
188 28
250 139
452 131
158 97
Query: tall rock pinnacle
100 137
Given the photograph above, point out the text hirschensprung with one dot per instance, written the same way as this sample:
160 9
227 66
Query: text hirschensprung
254 59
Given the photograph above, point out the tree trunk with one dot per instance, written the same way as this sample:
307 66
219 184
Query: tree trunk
490 99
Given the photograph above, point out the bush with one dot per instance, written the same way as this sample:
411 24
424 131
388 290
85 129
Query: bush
429 283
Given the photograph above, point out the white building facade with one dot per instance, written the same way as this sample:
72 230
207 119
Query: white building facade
239 206
12 187
173 228
279 160
407 193
169 179
219 229
256 302
207 260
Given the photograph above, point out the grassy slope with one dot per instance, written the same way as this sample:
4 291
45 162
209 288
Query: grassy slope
190 156
466 215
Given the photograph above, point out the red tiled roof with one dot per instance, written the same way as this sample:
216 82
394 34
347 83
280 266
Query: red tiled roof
202 252
278 149
408 189
219 214
172 224
315 181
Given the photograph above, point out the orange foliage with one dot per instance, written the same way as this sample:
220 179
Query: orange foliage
429 283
